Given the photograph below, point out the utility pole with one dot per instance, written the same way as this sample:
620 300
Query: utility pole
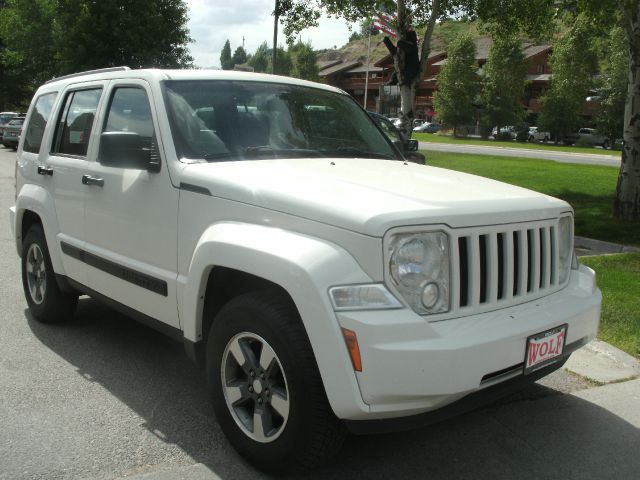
366 74
275 38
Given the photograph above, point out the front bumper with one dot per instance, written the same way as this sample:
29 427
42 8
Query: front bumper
466 404
411 366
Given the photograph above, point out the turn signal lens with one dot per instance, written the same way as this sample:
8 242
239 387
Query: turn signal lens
352 346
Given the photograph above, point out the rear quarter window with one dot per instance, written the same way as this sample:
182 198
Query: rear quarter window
38 122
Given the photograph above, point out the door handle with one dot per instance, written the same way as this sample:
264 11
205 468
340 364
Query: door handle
89 180
45 170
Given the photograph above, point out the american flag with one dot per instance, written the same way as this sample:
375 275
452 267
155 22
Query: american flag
384 23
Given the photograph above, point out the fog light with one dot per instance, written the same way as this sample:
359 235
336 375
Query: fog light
430 295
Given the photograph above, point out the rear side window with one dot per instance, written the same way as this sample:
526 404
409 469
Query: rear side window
76 122
38 122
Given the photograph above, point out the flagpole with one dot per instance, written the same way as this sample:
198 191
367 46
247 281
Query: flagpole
366 75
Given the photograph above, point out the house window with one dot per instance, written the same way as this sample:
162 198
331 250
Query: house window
540 68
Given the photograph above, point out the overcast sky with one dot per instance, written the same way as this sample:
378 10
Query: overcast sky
212 22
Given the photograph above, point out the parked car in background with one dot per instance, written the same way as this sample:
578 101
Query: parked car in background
408 146
11 133
536 135
510 129
589 137
427 127
415 123
5 118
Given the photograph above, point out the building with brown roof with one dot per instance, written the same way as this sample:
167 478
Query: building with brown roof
351 77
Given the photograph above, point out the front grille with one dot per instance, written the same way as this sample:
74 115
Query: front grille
504 264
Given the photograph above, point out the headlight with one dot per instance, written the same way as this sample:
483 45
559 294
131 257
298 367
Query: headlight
419 268
565 245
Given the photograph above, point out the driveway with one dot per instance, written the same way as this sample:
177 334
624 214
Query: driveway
563 157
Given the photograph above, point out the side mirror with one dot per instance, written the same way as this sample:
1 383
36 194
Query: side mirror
412 145
125 150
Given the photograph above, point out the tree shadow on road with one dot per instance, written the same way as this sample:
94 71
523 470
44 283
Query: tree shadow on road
560 436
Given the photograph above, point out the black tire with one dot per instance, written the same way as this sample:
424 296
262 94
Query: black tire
605 145
531 139
545 139
47 303
310 434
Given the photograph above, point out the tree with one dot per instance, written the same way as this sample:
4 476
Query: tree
304 61
29 55
283 62
627 201
226 62
46 38
562 104
260 59
503 82
239 56
614 70
457 84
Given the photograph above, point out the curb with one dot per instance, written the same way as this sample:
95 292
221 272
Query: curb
603 363
597 247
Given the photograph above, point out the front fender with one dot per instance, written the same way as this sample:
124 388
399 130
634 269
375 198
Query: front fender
38 200
305 267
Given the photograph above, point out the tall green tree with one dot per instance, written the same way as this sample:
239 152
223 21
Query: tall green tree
458 85
30 54
283 62
226 61
304 61
562 104
503 82
239 56
614 72
46 38
107 33
260 59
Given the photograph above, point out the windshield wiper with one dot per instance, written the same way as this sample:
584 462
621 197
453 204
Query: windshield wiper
277 152
356 152
216 156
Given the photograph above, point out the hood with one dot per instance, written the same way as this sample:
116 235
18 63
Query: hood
371 196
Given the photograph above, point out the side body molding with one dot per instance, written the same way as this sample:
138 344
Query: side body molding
38 200
305 267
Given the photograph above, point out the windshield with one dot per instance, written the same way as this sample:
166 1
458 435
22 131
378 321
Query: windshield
5 117
218 120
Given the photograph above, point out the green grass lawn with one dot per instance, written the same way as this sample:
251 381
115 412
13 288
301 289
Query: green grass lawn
619 280
588 188
437 138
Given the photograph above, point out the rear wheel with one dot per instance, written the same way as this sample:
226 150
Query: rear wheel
266 388
47 303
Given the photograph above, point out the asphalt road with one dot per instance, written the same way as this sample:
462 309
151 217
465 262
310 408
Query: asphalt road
102 397
563 157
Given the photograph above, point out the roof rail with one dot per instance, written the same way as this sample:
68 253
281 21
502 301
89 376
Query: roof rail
88 72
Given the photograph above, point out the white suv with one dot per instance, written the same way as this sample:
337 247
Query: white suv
268 224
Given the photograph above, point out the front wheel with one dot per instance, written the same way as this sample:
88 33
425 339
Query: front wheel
47 303
266 388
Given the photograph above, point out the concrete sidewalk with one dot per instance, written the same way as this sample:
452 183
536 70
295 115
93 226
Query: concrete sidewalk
588 246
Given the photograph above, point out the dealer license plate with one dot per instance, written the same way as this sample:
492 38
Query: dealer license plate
544 348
